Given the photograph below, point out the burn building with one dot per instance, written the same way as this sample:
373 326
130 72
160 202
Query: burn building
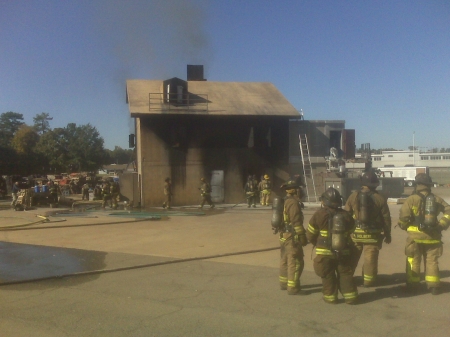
222 131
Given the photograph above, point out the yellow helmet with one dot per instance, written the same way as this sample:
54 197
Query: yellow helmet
266 176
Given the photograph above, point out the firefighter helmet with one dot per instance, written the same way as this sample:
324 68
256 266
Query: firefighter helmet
266 176
424 179
290 185
370 179
331 198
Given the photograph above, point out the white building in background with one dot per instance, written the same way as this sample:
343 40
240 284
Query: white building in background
438 163
411 158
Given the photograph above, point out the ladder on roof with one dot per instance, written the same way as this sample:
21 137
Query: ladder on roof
310 185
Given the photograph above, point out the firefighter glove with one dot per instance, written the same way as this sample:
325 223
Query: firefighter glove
303 240
388 238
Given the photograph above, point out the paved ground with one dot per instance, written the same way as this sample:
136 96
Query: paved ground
189 273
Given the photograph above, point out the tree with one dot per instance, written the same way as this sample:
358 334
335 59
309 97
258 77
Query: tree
24 140
9 124
41 124
73 148
120 156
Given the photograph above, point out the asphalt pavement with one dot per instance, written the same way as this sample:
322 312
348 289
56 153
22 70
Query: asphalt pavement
189 272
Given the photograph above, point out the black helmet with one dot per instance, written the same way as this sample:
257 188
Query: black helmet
332 198
370 179
290 185
424 179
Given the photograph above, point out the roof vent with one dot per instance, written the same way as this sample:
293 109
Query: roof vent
195 73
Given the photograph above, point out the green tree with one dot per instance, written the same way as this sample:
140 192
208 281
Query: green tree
24 140
73 148
9 124
41 123
120 156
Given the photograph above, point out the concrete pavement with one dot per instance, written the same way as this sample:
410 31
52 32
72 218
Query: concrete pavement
211 274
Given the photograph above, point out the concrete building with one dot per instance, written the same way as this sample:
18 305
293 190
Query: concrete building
223 131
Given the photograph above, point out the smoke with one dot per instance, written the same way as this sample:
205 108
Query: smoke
152 39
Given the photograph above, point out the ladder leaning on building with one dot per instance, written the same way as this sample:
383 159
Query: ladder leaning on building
310 185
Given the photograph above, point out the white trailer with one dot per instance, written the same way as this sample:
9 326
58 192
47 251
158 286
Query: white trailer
408 173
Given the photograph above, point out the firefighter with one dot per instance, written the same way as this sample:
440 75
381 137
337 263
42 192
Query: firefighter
85 192
329 230
167 193
106 193
205 192
373 223
419 218
115 194
266 190
251 191
54 191
292 239
15 194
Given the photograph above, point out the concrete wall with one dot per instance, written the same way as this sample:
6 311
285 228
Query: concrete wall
187 148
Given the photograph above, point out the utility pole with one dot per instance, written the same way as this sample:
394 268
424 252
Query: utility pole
414 149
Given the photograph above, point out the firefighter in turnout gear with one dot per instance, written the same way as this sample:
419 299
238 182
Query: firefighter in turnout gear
115 194
106 193
292 240
251 191
265 187
419 217
329 230
373 223
167 193
205 192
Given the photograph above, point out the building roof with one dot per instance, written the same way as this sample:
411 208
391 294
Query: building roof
145 97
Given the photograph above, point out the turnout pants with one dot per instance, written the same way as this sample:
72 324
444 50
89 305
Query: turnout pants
371 252
430 254
336 274
291 263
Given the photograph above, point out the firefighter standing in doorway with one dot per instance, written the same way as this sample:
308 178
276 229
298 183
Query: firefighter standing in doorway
167 193
373 223
329 230
251 191
266 190
418 216
292 238
205 192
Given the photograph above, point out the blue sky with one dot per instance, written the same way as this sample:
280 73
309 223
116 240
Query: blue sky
382 66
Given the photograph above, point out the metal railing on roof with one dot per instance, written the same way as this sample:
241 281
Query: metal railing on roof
178 102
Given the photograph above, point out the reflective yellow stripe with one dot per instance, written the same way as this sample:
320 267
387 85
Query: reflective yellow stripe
368 278
447 216
323 251
415 210
427 242
330 298
282 239
291 284
324 233
411 277
413 229
299 230
283 279
312 230
434 279
350 296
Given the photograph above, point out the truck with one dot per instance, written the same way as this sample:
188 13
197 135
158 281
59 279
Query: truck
408 173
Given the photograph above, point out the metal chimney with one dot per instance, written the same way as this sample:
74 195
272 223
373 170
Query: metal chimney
195 73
